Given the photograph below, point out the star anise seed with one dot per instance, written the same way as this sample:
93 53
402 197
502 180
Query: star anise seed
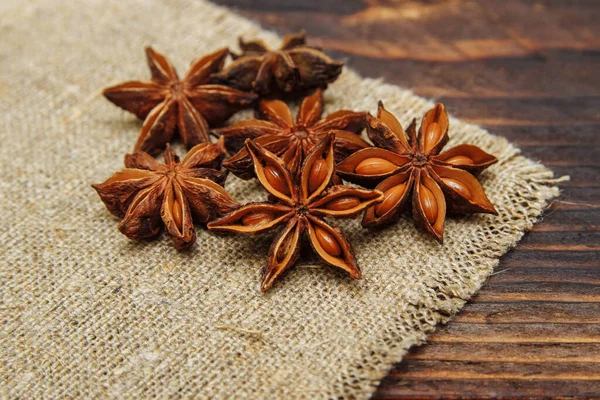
406 163
170 105
289 140
300 204
293 69
149 195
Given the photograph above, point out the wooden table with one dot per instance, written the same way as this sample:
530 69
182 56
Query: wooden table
530 71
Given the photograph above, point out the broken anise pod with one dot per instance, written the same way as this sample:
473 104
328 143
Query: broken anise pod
405 163
301 204
292 69
289 140
170 105
149 195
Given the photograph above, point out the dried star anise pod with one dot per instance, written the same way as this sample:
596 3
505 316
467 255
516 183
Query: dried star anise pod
170 105
292 69
289 140
301 204
149 195
405 163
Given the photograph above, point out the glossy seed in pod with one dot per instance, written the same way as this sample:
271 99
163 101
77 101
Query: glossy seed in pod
327 242
318 173
286 247
431 136
275 178
343 203
390 198
257 218
428 203
177 213
375 166
460 160
458 187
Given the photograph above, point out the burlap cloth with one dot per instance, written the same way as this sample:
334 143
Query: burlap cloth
85 312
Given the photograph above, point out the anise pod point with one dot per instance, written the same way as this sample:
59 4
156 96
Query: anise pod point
292 69
150 196
292 140
171 105
300 205
409 165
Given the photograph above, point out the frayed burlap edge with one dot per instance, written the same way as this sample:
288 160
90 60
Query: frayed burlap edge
537 189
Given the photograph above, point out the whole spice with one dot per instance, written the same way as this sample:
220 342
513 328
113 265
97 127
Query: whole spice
289 140
149 195
292 69
405 163
170 105
301 204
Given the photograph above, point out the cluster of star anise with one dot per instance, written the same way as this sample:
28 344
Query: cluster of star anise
299 162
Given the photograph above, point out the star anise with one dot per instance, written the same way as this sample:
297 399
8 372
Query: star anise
170 105
405 163
293 69
149 195
300 204
289 140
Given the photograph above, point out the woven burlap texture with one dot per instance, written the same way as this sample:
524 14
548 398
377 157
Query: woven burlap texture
85 312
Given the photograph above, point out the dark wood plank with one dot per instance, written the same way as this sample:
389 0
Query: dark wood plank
534 258
509 352
545 332
526 70
540 291
550 136
568 216
581 176
408 388
550 240
553 111
589 276
437 369
340 8
519 313
564 155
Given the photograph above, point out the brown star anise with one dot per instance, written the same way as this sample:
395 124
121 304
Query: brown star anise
405 163
148 195
292 69
168 104
300 204
292 141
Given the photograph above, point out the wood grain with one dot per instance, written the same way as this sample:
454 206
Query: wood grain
526 70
